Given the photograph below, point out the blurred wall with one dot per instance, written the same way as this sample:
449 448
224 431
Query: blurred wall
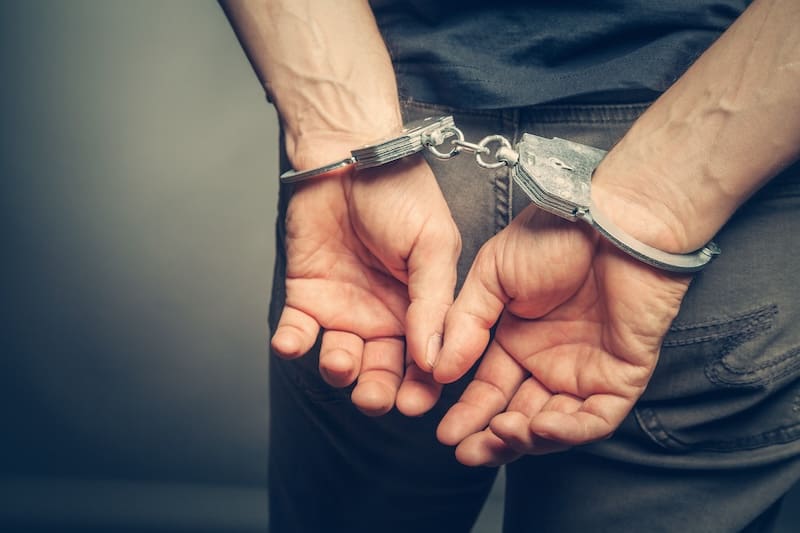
138 170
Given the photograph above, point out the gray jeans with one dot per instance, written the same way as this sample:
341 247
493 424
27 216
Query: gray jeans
712 445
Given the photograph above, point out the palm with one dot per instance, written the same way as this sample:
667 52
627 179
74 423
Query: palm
574 347
331 275
371 260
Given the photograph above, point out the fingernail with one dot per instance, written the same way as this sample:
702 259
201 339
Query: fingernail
434 347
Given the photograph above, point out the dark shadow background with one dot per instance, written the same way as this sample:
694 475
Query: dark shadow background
138 172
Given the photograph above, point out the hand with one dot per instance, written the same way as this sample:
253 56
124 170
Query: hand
371 258
579 332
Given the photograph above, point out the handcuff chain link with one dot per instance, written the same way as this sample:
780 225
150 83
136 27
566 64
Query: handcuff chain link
504 156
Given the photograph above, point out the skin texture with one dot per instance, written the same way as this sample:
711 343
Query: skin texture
368 281
371 257
577 339
579 331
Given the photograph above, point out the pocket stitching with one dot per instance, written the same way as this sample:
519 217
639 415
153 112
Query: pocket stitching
733 332
757 373
765 313
652 426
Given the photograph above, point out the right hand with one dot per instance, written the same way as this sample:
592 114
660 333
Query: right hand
371 259
578 330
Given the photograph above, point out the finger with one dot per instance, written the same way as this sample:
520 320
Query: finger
596 419
582 368
474 312
431 284
484 449
419 392
610 388
513 426
340 357
295 335
489 393
380 376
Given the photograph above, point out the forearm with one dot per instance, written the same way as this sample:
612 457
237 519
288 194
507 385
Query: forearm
723 130
325 66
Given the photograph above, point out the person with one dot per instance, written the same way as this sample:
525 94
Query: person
672 400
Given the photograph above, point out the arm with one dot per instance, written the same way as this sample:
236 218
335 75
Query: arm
577 341
371 258
324 65
720 133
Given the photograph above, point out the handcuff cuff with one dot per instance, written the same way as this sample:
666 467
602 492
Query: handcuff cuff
556 174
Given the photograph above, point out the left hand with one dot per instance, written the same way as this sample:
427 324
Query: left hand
371 260
579 333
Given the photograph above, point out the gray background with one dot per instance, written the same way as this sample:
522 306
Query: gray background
138 179
138 201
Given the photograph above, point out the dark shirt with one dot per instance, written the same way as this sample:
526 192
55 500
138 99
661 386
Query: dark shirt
496 53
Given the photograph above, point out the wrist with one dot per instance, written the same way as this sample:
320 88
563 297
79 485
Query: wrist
326 68
311 142
657 207
715 137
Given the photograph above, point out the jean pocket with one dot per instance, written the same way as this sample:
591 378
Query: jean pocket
724 384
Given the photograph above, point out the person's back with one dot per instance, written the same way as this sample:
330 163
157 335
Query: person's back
501 54
682 428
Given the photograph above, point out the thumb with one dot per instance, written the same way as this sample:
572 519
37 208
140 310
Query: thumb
431 283
471 317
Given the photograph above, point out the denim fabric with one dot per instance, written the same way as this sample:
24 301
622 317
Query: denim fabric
712 445
477 54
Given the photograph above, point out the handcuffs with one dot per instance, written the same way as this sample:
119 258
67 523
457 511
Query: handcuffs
556 174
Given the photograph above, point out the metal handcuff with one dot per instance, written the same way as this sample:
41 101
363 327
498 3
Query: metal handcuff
556 174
